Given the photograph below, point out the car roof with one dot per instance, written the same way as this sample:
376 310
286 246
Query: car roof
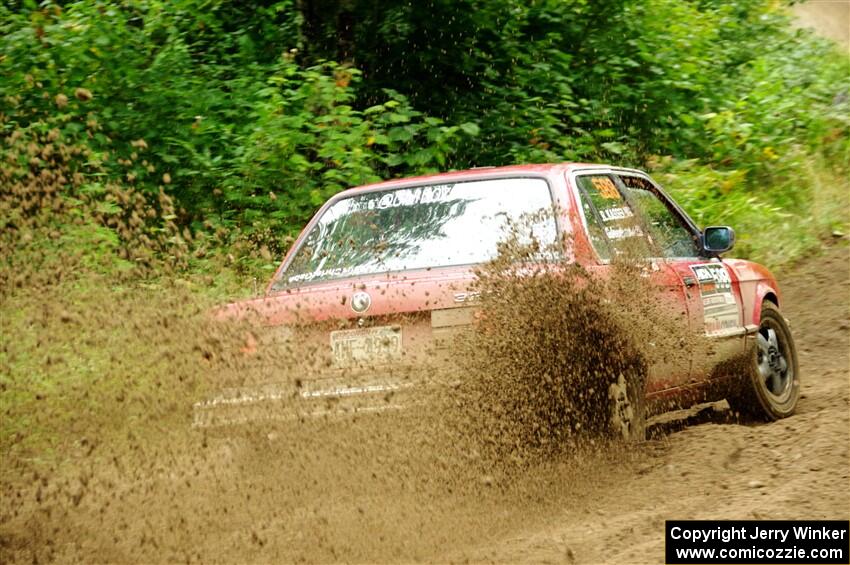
478 173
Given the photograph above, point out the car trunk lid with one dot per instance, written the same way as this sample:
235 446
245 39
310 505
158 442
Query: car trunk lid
307 353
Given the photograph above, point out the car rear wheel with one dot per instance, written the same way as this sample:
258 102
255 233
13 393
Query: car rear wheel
771 388
627 419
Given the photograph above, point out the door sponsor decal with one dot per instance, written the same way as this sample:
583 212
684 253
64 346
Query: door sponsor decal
622 233
720 309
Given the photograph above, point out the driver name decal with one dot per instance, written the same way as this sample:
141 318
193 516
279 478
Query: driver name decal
720 309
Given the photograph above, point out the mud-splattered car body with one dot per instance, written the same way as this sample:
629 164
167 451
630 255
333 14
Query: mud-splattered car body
366 331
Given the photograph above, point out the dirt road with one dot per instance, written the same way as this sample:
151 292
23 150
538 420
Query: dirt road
829 18
381 493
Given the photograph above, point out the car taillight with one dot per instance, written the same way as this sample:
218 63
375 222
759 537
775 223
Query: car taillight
265 337
250 346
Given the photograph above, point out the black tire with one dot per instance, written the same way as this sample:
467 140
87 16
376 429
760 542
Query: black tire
627 401
770 388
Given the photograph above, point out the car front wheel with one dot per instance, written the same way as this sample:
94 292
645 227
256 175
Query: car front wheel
771 388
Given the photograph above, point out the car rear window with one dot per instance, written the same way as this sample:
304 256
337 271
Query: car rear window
420 227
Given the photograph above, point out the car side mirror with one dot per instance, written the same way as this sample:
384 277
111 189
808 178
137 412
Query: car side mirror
718 239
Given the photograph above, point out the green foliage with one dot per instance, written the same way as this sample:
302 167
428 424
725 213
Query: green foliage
309 142
777 222
249 117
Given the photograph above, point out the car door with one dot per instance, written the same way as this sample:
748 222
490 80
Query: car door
711 289
614 225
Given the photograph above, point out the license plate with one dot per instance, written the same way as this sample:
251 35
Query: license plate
368 345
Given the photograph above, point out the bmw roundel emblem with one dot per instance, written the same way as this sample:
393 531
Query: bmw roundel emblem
360 302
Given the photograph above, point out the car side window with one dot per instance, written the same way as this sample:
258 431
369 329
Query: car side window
668 234
611 222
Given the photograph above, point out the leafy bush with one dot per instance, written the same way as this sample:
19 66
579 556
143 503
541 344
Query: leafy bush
58 219
249 119
309 142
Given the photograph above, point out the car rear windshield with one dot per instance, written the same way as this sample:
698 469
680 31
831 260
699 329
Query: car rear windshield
419 227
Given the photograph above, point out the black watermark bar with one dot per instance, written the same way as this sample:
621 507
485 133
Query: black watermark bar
819 542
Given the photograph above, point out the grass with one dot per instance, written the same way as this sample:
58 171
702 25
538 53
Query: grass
777 223
88 358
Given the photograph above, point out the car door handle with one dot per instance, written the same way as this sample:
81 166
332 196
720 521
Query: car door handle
689 281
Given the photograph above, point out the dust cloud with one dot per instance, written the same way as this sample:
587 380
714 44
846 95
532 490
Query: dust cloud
102 460
111 384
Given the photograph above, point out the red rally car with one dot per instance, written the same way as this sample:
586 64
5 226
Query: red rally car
382 276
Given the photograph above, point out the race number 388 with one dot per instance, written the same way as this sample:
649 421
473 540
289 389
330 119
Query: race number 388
606 188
